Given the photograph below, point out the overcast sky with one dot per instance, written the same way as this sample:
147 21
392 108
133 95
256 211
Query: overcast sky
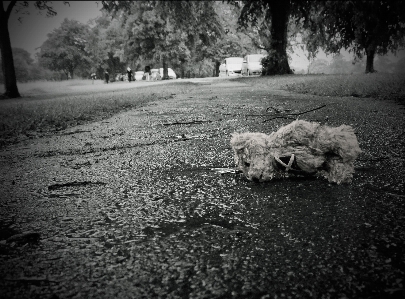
32 31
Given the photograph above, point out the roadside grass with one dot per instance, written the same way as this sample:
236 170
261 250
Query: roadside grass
24 117
376 85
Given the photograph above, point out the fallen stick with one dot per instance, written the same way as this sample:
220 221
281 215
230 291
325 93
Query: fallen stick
26 237
317 108
295 114
396 195
32 279
82 238
188 123
274 108
286 117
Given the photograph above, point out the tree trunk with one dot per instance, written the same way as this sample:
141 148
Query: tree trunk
10 80
217 64
165 70
277 61
309 60
199 70
370 60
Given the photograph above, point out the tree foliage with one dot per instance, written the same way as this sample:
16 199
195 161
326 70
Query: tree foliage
26 69
163 31
104 46
362 27
65 48
235 42
23 64
185 34
365 27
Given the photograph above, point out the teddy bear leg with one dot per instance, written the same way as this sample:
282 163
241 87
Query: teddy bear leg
338 172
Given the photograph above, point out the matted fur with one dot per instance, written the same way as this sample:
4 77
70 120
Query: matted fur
322 150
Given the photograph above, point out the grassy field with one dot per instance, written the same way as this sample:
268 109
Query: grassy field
377 85
40 112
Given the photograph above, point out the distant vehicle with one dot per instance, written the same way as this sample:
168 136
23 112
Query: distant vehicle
231 66
171 73
155 75
138 75
120 77
252 64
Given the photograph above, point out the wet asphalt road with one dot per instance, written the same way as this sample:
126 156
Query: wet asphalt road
146 205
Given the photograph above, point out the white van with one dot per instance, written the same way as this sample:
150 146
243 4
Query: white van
252 64
171 73
231 66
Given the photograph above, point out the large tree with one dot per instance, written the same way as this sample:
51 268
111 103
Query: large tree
8 69
365 27
277 14
65 49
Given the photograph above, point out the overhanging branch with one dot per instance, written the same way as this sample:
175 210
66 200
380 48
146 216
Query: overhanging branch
9 8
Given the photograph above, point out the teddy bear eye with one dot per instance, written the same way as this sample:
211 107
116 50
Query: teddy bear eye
247 164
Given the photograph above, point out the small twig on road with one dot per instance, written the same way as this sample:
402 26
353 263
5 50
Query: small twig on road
232 114
75 132
74 184
395 154
82 238
396 195
372 159
274 108
385 190
95 279
32 279
286 117
294 114
195 122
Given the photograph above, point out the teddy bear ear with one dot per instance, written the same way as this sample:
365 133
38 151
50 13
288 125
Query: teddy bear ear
239 141
235 139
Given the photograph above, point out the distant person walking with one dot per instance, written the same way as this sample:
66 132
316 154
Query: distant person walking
129 73
147 72
107 77
93 77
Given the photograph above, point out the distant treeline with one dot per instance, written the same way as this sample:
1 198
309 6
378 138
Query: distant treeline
28 70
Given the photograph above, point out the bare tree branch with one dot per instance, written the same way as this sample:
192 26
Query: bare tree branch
9 8
287 115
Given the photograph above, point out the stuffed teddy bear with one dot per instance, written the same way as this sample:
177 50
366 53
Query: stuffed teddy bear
300 148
